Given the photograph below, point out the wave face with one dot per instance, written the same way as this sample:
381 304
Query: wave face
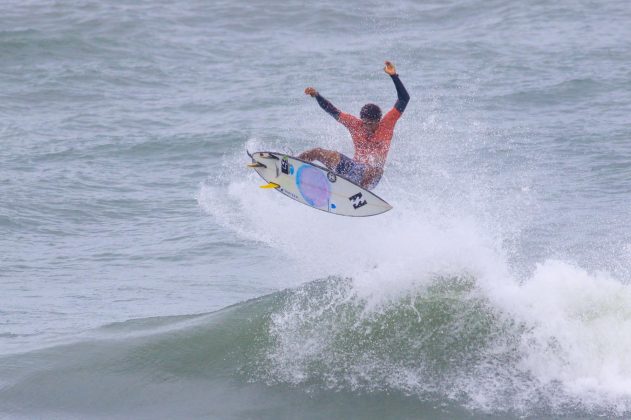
445 347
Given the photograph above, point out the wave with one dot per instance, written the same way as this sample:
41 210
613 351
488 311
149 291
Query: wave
554 345
435 302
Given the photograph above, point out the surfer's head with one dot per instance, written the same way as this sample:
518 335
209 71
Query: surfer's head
370 113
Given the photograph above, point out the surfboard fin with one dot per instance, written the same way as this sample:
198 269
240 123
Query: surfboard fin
270 185
256 165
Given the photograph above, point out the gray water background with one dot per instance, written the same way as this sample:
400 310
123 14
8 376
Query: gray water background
116 119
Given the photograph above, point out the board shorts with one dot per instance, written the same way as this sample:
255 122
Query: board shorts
354 171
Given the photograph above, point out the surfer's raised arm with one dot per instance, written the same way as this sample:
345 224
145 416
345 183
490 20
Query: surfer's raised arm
324 103
403 96
371 134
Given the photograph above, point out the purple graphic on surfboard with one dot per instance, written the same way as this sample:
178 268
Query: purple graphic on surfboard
313 186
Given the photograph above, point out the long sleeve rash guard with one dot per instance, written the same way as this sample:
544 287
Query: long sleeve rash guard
371 149
402 100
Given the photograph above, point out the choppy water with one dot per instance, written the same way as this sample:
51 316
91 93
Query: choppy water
143 274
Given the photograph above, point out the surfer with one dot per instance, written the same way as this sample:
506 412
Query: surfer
371 136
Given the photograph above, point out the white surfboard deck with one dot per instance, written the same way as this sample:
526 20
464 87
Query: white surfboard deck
316 186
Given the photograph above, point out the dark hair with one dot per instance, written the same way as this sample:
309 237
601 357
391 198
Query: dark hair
370 112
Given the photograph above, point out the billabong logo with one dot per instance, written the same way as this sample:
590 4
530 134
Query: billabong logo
357 200
331 176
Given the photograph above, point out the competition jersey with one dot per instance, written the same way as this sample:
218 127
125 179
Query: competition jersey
371 149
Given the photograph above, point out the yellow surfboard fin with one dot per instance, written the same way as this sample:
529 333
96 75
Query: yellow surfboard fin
270 185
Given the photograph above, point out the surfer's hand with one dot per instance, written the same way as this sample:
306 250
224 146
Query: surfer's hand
390 69
311 92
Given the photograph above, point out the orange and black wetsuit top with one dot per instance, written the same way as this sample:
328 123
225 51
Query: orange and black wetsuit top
371 149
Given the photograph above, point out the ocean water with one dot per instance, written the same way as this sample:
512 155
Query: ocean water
143 273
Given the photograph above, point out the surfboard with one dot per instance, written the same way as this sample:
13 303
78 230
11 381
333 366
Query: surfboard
315 186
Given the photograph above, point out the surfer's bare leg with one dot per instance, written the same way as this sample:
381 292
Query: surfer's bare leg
330 158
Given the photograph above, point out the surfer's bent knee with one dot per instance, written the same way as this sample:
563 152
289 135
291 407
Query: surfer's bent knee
311 154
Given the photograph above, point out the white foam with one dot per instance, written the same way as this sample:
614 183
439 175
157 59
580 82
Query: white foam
579 330
576 325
